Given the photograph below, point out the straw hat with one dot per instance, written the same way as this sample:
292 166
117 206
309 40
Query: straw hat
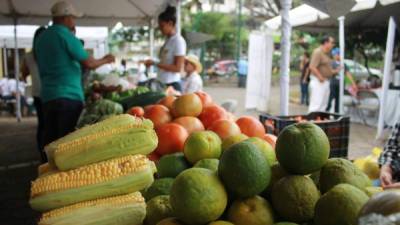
64 8
195 61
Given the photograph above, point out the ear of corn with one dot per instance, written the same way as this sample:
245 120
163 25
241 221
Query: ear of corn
114 137
108 178
46 169
127 209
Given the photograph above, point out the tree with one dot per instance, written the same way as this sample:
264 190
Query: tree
223 28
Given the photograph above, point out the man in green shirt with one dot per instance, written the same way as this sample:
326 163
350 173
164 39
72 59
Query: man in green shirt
59 55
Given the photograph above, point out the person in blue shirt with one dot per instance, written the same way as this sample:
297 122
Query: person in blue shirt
242 72
59 56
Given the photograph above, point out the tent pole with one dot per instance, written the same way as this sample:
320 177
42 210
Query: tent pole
285 57
342 56
151 40
16 72
5 61
386 75
178 17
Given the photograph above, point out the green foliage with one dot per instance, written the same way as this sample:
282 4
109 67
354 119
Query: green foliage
224 29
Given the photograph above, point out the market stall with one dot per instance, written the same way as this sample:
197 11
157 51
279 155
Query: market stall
198 157
16 12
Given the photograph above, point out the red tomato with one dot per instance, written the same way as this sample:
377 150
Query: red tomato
211 114
225 128
159 114
205 98
171 138
191 124
136 111
251 127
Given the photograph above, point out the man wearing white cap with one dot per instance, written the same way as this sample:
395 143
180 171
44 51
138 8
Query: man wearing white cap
59 55
193 80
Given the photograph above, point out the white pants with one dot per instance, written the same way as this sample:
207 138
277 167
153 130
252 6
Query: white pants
319 95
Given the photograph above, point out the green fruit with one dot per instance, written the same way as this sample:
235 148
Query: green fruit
370 191
285 223
170 221
157 209
340 205
302 148
172 165
198 196
255 211
159 187
211 164
277 172
338 171
202 145
220 222
315 177
244 170
228 142
265 148
294 198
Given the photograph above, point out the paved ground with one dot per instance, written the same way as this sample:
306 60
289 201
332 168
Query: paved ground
362 138
19 159
18 162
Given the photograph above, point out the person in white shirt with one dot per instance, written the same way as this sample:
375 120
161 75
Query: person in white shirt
172 53
29 67
193 80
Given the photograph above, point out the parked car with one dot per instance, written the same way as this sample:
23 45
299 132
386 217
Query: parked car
360 72
223 68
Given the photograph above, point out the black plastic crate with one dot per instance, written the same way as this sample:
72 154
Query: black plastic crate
336 127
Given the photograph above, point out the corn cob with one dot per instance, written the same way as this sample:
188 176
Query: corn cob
108 178
46 169
127 209
114 137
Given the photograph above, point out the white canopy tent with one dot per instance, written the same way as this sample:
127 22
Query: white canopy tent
95 13
368 14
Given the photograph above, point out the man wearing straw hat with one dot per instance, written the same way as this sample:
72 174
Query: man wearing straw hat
59 55
193 81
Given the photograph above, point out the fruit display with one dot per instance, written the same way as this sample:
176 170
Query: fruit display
185 161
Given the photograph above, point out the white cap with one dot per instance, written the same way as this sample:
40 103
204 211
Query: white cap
64 8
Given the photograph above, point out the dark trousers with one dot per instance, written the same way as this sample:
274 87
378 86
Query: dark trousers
304 92
37 102
242 81
176 85
334 95
60 118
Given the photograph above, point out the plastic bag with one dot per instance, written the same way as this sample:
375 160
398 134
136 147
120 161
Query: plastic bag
377 219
